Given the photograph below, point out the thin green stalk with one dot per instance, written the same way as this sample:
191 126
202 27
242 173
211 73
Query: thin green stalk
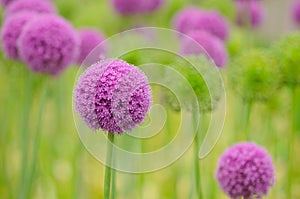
291 142
113 184
34 156
107 178
247 114
24 131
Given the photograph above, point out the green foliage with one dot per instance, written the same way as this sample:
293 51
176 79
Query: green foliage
254 75
226 7
287 54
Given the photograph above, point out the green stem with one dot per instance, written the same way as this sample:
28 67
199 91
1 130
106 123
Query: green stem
196 161
291 142
35 150
247 114
24 132
107 179
113 184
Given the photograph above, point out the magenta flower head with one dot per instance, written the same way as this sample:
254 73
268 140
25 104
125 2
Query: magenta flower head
207 44
89 39
113 96
296 12
249 12
131 7
38 6
191 19
11 30
245 170
5 2
48 44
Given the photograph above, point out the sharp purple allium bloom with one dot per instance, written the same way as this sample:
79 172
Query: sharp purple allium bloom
89 39
249 12
296 12
206 43
38 6
112 95
131 7
48 44
245 170
11 30
191 19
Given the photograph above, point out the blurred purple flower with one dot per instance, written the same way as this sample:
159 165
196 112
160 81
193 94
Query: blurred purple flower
5 2
245 170
89 39
296 12
249 12
48 44
131 7
10 33
38 6
192 18
202 42
112 95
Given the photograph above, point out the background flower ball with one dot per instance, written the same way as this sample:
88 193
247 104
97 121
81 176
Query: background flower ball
204 43
38 6
48 44
245 170
10 32
213 22
151 6
296 12
89 39
249 12
131 7
113 96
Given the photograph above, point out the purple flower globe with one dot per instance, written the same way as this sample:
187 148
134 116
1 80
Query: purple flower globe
89 39
191 19
131 7
38 6
201 42
249 12
48 44
296 12
5 2
113 96
245 170
11 30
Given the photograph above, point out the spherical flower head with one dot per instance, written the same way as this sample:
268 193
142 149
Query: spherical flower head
131 7
287 54
48 44
249 13
254 75
89 39
245 170
192 19
38 6
201 42
11 30
5 2
113 96
296 12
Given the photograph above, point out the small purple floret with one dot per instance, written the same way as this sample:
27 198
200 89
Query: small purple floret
112 95
245 170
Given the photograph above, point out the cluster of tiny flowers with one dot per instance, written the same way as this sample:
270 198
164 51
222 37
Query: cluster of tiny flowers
113 96
296 12
249 13
89 39
207 45
245 170
131 7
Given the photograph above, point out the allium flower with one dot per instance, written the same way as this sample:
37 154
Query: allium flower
48 44
89 39
38 6
112 95
254 75
249 12
206 43
189 19
5 2
287 54
11 30
131 7
245 170
296 12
